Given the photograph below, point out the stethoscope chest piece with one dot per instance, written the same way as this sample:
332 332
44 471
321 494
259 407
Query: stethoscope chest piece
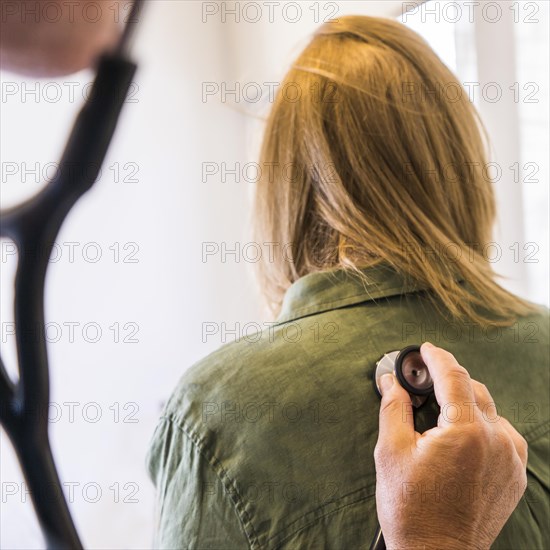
412 374
410 370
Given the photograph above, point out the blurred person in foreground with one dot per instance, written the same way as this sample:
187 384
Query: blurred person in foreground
58 37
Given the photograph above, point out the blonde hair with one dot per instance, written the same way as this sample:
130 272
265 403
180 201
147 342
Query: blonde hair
377 155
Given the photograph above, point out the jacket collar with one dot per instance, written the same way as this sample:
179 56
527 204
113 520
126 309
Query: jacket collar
337 288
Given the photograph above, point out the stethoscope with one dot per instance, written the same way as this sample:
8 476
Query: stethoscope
412 374
34 225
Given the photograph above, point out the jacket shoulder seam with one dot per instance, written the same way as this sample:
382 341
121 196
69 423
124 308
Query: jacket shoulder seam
228 484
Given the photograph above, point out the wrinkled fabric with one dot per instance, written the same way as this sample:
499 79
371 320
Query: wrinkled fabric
268 442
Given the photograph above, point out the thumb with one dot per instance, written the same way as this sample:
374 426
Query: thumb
396 423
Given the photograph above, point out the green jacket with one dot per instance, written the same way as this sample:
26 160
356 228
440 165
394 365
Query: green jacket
268 442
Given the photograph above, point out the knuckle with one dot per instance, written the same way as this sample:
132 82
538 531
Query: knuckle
461 371
523 443
476 435
523 447
445 358
390 407
386 452
381 453
480 385
503 420
505 446
518 479
458 377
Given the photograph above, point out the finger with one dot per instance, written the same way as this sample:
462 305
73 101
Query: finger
489 413
396 423
452 383
519 441
485 402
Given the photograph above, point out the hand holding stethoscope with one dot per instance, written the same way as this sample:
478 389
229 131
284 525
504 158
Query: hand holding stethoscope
431 487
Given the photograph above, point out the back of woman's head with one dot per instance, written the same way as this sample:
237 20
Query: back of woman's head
376 154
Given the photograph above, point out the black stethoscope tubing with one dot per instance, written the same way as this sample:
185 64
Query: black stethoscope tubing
34 225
